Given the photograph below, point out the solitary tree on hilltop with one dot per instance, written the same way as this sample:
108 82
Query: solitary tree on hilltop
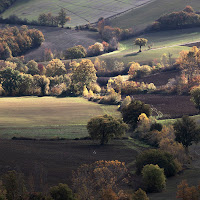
141 42
62 17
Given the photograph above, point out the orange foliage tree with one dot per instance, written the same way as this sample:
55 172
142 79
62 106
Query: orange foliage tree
99 179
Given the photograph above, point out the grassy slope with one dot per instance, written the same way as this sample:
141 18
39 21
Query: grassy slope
48 116
85 10
163 42
141 17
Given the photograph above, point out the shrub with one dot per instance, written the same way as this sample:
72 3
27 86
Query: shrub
75 52
160 158
154 178
96 49
113 98
176 20
61 192
140 195
132 111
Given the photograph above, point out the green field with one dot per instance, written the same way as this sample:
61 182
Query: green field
48 117
163 42
146 15
81 12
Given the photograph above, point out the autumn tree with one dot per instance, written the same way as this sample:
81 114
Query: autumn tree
131 112
75 52
188 9
184 192
96 49
105 127
186 131
101 25
26 84
48 55
93 180
195 97
62 17
154 178
84 74
189 62
140 195
14 184
36 36
10 80
32 67
43 83
140 42
55 68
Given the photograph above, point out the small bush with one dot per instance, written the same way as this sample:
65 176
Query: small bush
160 158
140 195
154 178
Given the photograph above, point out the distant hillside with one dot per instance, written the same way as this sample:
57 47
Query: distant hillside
5 4
81 12
141 17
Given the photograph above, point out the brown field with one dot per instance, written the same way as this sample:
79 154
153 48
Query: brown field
159 78
55 160
172 106
58 39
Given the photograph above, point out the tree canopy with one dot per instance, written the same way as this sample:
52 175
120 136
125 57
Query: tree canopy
186 131
105 127
62 17
131 112
140 42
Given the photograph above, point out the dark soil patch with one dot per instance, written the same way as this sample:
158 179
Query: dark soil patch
171 106
54 161
159 78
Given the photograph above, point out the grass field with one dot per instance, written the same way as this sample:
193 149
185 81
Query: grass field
81 12
143 16
48 117
163 42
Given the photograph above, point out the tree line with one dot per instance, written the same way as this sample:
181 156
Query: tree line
4 4
17 41
176 20
44 19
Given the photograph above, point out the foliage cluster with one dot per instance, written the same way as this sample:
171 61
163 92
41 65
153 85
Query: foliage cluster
105 127
99 179
162 159
176 20
154 178
129 87
108 33
14 187
44 19
15 42
5 4
185 192
133 110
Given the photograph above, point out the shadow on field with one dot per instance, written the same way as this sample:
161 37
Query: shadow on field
132 54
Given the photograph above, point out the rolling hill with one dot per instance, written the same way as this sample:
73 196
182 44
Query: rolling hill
141 17
81 12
